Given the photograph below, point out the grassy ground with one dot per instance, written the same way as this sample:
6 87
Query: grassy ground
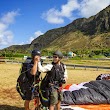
86 62
10 99
91 62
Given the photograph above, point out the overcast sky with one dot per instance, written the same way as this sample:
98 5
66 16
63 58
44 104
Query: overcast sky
21 21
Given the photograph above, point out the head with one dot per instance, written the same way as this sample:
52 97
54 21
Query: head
57 56
35 52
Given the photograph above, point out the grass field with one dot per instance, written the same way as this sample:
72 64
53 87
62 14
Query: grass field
86 62
10 99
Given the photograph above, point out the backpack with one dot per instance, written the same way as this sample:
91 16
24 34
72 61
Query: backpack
44 92
23 82
44 89
103 77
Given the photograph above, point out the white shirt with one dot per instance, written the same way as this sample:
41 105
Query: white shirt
48 67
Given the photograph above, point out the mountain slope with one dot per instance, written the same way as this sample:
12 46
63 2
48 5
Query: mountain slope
100 23
18 48
83 33
77 40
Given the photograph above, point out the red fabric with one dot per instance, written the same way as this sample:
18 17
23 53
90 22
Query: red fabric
60 88
35 102
67 86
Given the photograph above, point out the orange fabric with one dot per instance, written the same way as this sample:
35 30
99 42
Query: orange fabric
94 107
90 107
67 86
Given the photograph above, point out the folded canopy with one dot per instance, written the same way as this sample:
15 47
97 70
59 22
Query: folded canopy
93 92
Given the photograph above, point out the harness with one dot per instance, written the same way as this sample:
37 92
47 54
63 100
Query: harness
56 75
25 83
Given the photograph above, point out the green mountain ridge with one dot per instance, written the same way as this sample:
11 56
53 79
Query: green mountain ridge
82 33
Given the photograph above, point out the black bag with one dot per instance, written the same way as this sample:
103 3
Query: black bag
44 92
103 77
23 83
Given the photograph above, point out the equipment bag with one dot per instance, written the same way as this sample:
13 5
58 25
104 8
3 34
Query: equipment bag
23 84
44 92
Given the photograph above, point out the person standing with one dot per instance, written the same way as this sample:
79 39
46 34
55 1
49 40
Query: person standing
33 77
56 77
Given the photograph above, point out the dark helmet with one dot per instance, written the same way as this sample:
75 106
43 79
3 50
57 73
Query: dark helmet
58 53
35 52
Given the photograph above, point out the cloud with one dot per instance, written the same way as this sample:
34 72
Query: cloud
22 43
36 34
67 9
6 35
57 16
53 16
9 17
74 8
92 7
2 27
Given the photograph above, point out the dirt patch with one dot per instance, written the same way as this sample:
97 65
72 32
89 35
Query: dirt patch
10 96
8 107
9 93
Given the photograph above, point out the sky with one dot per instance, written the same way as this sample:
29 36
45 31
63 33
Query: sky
21 21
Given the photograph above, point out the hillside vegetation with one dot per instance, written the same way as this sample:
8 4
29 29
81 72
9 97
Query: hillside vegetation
84 33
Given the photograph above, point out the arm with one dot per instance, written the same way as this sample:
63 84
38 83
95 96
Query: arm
35 66
44 69
65 73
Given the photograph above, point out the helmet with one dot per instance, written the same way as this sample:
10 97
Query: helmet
58 53
35 52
